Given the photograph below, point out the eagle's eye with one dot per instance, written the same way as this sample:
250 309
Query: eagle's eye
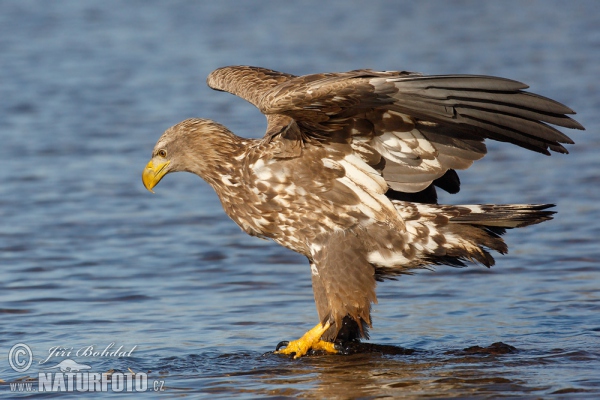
162 153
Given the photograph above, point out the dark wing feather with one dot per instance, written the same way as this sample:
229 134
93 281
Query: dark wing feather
495 106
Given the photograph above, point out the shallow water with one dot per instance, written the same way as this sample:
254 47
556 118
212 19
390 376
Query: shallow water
89 258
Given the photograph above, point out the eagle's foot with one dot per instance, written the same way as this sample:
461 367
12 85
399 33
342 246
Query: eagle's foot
310 341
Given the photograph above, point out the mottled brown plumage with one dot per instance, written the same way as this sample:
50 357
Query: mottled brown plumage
347 172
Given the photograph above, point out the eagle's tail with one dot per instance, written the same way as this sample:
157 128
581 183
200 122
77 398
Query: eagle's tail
467 232
499 217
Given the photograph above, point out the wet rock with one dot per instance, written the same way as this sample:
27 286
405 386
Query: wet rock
493 349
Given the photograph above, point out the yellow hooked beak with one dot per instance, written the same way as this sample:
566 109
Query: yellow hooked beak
153 173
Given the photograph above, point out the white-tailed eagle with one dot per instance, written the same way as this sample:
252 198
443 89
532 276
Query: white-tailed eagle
347 175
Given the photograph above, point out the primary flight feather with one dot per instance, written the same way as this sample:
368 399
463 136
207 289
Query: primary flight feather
347 172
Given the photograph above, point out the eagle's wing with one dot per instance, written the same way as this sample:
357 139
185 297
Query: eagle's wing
249 83
423 126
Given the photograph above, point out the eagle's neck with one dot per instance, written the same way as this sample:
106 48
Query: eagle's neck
220 160
228 176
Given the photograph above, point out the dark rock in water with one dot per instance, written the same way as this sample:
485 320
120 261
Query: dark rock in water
494 349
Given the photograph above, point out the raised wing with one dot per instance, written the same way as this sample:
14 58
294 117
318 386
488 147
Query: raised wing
422 125
413 129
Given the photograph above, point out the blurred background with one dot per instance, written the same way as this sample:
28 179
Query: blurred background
89 257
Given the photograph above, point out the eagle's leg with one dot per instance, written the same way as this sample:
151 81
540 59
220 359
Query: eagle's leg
310 341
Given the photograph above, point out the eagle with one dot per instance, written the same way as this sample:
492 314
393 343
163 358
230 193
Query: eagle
348 171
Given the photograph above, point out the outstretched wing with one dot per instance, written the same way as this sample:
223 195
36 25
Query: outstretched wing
412 128
422 125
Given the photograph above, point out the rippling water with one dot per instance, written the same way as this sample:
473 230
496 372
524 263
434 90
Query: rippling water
89 258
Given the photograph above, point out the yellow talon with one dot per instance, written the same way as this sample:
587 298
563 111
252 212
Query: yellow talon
310 340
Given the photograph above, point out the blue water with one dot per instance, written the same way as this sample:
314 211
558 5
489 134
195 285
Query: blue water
88 257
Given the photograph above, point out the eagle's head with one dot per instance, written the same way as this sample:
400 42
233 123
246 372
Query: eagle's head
194 145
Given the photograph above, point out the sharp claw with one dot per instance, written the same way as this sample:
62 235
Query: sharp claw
281 344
